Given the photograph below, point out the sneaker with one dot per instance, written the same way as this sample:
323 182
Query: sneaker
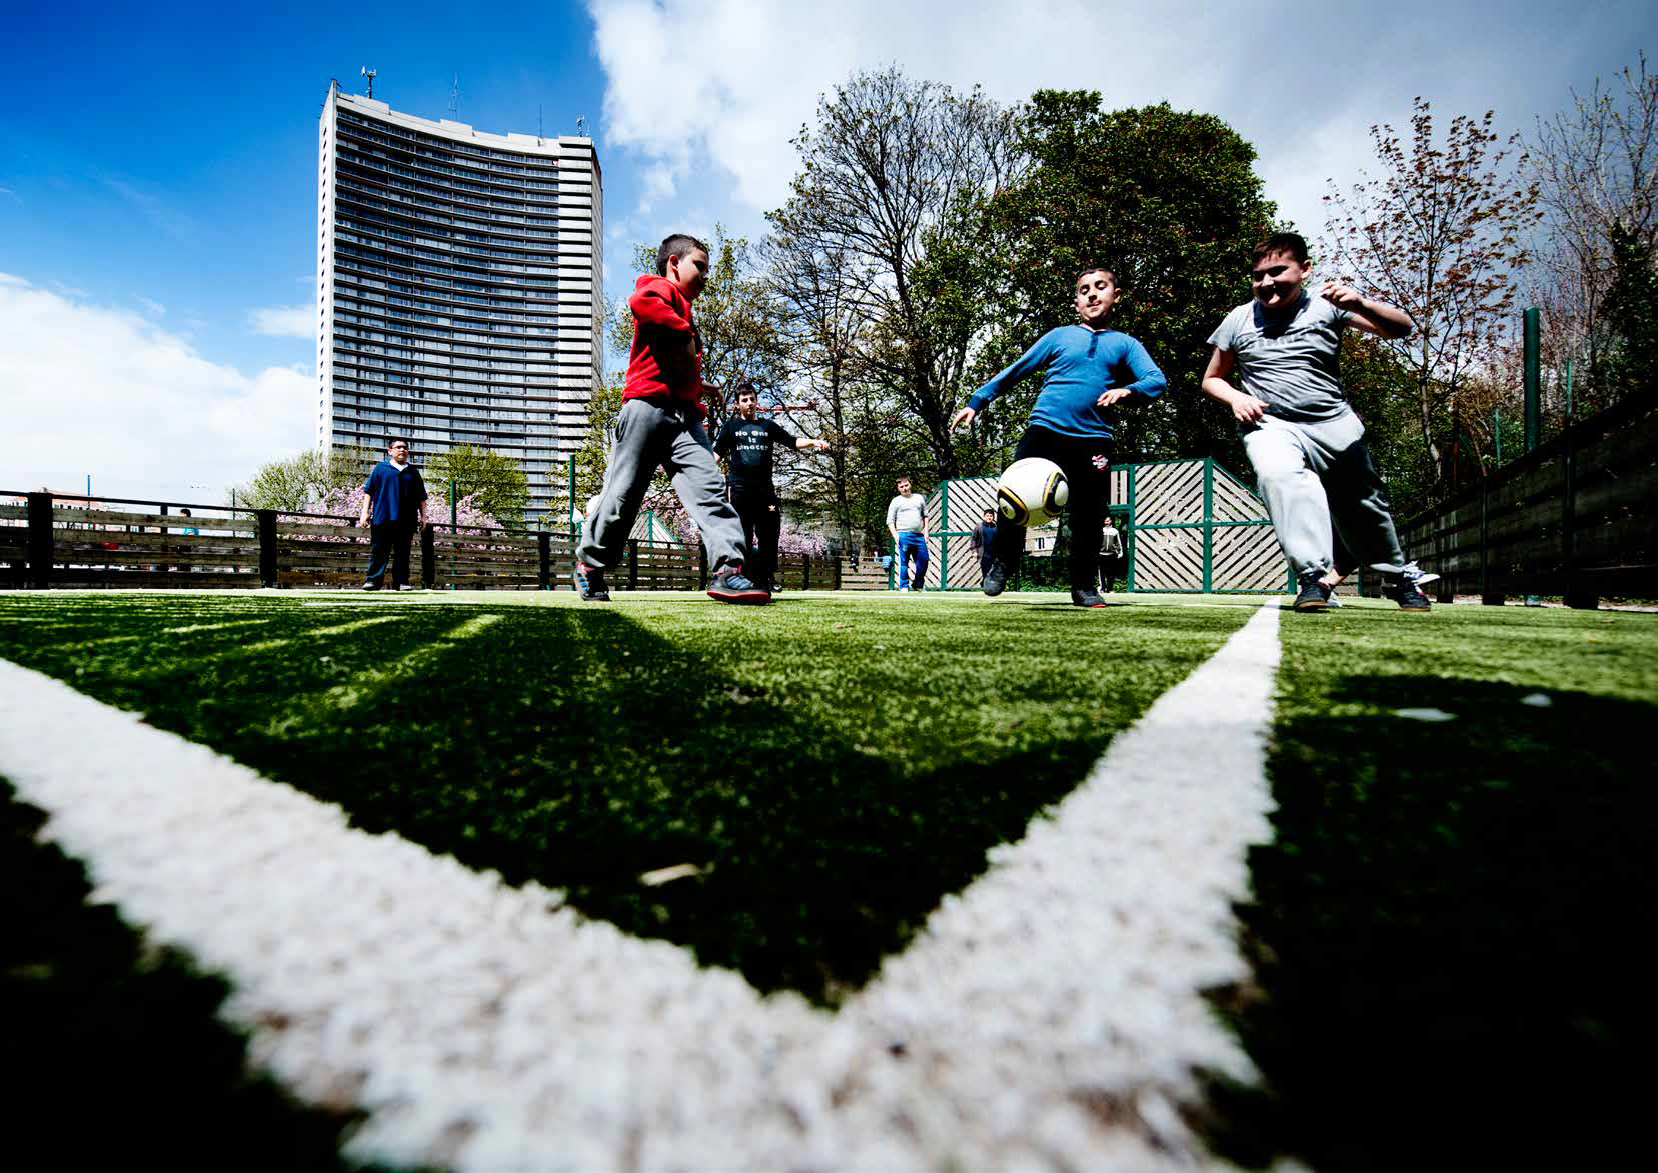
1087 597
1314 596
371 586
903 590
1403 590
1414 574
729 586
590 584
995 579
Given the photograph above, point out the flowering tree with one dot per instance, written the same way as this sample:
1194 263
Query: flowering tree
1441 233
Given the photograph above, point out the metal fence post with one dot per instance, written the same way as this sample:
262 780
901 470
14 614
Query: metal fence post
633 564
428 556
266 519
40 540
544 575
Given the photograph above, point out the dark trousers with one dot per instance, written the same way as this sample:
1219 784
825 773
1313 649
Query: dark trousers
1087 467
392 541
758 509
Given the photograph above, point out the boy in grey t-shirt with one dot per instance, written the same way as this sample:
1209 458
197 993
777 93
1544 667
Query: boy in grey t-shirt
1303 438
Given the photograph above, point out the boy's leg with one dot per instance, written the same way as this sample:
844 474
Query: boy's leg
1009 544
1087 466
1362 514
634 456
768 527
697 481
918 546
1294 495
402 540
747 504
902 551
379 553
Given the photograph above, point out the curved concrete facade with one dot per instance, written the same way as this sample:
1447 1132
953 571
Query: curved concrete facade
458 297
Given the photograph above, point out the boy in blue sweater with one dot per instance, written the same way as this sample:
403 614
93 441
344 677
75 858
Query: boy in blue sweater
1087 370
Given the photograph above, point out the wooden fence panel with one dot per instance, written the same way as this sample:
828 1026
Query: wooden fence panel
1521 532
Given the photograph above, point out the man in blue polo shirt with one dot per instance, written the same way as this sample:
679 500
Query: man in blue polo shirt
395 503
1087 370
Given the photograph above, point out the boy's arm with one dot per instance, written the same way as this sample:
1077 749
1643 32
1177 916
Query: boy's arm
1149 380
1371 316
1246 409
368 499
1022 366
652 308
892 518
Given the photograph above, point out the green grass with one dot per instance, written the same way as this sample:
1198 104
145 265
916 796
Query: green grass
832 766
1446 931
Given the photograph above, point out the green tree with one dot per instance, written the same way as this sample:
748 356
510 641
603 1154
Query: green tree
1596 167
1170 202
891 172
496 483
293 484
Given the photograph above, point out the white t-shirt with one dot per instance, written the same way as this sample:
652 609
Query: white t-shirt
908 515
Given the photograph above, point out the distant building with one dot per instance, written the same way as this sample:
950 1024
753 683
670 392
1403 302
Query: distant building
458 288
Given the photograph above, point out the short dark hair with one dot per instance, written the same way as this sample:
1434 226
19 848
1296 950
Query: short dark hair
1087 269
676 245
744 387
397 440
1282 242
990 511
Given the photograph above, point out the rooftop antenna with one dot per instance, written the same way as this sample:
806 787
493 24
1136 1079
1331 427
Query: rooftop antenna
538 126
455 98
581 126
370 74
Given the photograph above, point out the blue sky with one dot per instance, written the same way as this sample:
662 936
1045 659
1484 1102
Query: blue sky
158 161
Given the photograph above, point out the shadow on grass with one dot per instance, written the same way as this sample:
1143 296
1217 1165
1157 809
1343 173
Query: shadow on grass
113 1053
576 748
1445 936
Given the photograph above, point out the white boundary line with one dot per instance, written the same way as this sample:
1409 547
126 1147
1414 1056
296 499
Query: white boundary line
1048 1016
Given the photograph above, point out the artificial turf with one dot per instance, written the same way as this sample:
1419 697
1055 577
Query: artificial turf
1446 931
830 766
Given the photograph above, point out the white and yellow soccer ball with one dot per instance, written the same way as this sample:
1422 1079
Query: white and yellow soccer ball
1032 492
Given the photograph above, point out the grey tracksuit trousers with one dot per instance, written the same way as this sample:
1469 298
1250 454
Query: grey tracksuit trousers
1314 473
651 433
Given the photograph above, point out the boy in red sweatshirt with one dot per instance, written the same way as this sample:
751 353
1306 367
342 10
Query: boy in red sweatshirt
660 425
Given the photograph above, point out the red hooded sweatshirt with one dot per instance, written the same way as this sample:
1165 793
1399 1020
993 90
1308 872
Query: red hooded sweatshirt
666 360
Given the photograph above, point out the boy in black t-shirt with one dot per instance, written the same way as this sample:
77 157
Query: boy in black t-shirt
745 445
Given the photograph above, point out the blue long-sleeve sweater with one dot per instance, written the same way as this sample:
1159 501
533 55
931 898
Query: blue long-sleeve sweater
1081 366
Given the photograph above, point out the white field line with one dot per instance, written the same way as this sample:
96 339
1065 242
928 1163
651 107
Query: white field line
1045 1018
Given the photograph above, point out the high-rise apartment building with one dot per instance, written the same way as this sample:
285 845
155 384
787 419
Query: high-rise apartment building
458 278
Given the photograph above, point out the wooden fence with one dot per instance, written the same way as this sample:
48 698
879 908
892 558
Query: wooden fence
49 540
1576 518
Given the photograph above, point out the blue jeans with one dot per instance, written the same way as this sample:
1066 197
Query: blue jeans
912 545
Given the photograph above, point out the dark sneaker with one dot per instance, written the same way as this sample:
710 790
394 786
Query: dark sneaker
590 584
1088 597
729 586
995 579
1314 596
1404 591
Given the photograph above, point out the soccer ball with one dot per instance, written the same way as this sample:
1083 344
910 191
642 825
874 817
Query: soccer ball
1032 491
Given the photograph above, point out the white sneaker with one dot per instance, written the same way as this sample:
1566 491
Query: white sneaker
903 590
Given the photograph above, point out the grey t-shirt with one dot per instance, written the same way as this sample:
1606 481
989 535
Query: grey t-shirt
1292 363
908 515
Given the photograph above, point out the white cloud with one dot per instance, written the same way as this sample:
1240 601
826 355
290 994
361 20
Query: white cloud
703 96
90 389
152 307
284 321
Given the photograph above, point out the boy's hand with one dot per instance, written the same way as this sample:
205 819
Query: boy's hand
965 416
1117 395
1343 297
1247 409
